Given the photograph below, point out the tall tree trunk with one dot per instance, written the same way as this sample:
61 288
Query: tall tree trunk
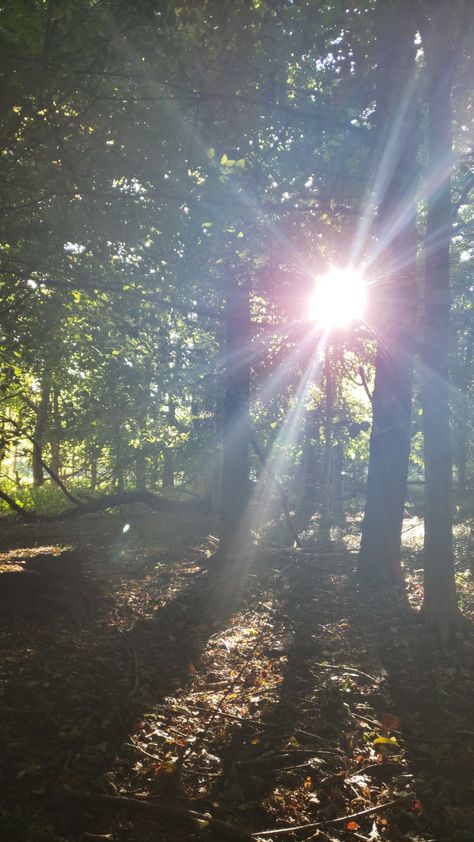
154 473
235 421
140 469
325 519
395 299
16 475
310 460
463 423
440 610
93 471
118 479
168 460
3 444
40 430
462 445
56 434
337 489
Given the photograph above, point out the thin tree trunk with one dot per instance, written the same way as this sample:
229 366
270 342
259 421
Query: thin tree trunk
56 435
16 475
325 520
337 490
235 421
118 480
462 444
463 427
93 471
154 473
395 301
310 461
3 444
168 460
140 470
40 430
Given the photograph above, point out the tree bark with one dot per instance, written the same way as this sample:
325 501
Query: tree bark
395 300
326 514
56 434
140 469
337 488
463 419
168 460
40 430
311 467
440 610
93 472
118 479
462 446
235 422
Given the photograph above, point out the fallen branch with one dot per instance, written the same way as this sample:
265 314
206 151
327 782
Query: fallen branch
20 510
111 501
191 818
282 831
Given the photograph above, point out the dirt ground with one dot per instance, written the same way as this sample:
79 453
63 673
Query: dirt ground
171 700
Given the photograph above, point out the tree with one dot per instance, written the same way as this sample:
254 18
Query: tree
442 30
395 295
236 422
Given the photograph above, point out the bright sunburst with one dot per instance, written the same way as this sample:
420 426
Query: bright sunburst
340 298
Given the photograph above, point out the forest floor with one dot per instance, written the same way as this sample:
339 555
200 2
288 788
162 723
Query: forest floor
278 702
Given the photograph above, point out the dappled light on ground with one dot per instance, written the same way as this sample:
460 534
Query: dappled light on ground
294 706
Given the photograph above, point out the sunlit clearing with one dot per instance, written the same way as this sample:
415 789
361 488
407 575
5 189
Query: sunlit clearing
340 298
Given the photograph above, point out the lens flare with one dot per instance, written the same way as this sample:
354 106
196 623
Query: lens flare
340 298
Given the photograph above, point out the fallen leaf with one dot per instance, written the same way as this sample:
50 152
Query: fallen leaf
352 826
392 741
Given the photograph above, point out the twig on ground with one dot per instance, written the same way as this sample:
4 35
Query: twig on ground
225 715
143 751
282 831
346 668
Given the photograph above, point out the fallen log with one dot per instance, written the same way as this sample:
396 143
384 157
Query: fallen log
190 818
111 501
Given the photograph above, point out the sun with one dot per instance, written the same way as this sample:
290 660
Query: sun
339 299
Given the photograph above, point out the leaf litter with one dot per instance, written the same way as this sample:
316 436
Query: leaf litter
299 709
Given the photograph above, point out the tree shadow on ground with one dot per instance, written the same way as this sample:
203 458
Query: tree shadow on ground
432 692
302 726
72 696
